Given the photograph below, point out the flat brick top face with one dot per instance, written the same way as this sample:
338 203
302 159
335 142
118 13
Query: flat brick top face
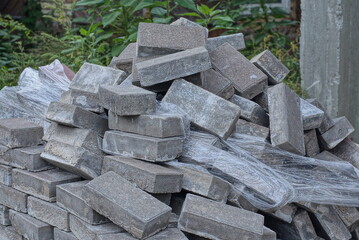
17 124
127 90
53 175
129 52
75 188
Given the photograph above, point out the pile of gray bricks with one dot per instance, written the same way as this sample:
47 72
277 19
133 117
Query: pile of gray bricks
110 168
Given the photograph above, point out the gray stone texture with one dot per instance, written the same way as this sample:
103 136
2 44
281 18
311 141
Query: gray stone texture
127 100
31 228
163 197
4 216
172 66
86 100
217 116
248 80
147 176
311 115
286 123
329 55
185 22
336 134
235 40
327 121
251 111
124 60
271 66
268 234
9 233
142 147
41 184
160 39
167 234
348 151
154 125
311 143
252 129
135 75
349 216
216 83
73 116
262 99
13 198
204 136
49 213
5 175
327 156
69 197
18 132
136 211
214 220
304 225
62 235
285 213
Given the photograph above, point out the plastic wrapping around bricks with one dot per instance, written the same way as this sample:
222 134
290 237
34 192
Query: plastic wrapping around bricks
34 93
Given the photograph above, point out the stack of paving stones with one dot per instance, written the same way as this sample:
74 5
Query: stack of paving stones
111 165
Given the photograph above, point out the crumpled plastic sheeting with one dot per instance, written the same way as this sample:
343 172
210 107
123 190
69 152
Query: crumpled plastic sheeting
35 91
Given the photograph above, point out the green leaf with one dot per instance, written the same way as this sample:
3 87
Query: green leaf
192 14
278 11
287 23
223 18
117 49
83 32
158 11
270 25
189 4
162 20
103 37
89 2
141 5
81 20
204 9
110 18
258 38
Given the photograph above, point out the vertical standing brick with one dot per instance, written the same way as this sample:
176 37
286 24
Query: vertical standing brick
216 83
218 219
348 151
127 206
18 132
217 116
235 40
311 115
13 198
311 143
4 216
262 99
327 121
159 39
248 80
5 175
286 123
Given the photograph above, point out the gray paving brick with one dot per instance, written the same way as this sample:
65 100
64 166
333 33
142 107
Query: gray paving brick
9 233
311 115
327 156
327 121
285 213
13 198
185 22
86 100
216 83
167 234
124 60
5 175
62 235
235 40
4 216
348 151
268 234
252 129
311 143
262 99
349 216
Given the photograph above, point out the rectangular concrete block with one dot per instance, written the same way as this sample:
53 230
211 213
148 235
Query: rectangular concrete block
327 156
13 198
248 80
31 228
286 213
142 147
251 111
167 234
185 22
62 235
327 121
336 134
217 116
11 234
160 39
154 125
271 66
147 176
163 197
91 76
136 211
41 184
201 182
85 100
4 216
348 151
18 132
73 116
286 123
349 216
69 197
214 220
252 129
5 175
124 60
268 234
235 40
173 66
216 83
311 143
127 100
311 115
262 99
49 213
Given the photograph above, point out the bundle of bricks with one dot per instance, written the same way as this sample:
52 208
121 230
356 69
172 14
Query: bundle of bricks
109 169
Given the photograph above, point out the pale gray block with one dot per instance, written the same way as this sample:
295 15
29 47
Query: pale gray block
185 22
271 66
127 206
163 197
348 151
327 121
86 100
135 75
252 129
173 222
221 221
73 116
147 176
167 234
286 125
160 39
216 116
4 155
235 40
285 213
41 184
311 143
13 198
48 212
173 66
327 156
268 234
251 111
201 182
91 76
304 225
18 132
61 235
216 83
311 115
127 100
66 97
31 228
124 60
127 81
4 216
5 175
142 147
83 230
69 197
248 80
29 158
349 216
154 125
11 234
336 134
